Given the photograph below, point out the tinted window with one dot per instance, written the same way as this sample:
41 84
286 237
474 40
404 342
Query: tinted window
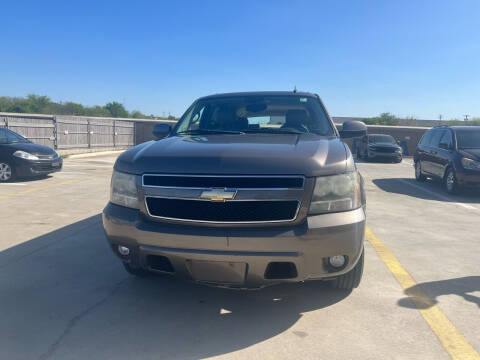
297 114
381 139
8 137
437 135
468 138
426 138
447 138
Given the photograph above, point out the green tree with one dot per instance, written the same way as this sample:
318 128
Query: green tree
385 118
116 109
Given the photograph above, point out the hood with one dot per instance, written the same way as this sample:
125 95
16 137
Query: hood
247 154
473 154
32 148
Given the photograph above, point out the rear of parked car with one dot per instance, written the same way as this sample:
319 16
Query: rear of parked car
450 154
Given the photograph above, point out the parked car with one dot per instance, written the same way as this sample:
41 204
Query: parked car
451 154
379 146
248 189
20 157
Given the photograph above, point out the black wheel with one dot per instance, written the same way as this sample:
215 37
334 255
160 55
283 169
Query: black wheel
6 172
351 279
450 181
418 172
136 271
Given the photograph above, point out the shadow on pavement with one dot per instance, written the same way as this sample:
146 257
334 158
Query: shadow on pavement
457 286
402 186
65 295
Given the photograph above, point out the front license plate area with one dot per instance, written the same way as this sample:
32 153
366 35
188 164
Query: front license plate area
56 164
217 271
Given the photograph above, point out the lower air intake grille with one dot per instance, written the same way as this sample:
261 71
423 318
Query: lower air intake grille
229 211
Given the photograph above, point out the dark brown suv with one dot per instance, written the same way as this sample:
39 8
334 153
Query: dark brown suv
451 154
248 189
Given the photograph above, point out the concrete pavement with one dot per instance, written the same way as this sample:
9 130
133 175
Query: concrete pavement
63 295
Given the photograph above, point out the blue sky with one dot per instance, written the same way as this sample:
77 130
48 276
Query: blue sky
411 58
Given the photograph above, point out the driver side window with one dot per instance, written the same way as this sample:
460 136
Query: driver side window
447 139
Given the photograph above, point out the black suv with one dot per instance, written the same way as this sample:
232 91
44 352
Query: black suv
379 146
451 154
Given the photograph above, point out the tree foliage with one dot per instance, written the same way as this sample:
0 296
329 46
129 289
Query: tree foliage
39 104
385 118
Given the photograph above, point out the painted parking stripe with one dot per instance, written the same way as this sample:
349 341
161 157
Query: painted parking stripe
437 195
451 339
23 192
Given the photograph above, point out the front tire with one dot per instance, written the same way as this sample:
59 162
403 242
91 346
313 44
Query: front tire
6 172
351 279
450 181
418 172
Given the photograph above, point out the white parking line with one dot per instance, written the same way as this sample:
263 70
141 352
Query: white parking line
13 184
437 195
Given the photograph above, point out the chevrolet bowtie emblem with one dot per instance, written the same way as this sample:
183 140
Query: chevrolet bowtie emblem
218 194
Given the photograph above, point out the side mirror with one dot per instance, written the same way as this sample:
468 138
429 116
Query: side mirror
161 130
353 128
444 146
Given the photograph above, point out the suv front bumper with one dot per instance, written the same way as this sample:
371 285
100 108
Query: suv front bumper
238 256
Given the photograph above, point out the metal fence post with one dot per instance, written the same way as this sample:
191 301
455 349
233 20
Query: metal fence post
134 133
55 133
114 132
89 140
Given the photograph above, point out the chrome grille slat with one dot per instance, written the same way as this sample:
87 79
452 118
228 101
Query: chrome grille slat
269 199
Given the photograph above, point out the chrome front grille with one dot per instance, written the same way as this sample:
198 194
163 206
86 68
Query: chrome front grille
223 199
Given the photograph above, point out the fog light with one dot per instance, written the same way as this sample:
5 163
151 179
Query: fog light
337 261
123 250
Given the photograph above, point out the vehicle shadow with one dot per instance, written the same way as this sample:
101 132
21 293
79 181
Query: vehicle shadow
29 179
430 190
65 295
457 286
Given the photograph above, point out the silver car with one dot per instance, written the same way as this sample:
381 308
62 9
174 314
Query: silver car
247 190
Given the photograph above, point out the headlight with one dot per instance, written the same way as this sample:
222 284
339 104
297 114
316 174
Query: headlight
24 155
399 150
123 190
337 193
470 164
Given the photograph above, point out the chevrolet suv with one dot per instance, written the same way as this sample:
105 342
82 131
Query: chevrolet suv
247 190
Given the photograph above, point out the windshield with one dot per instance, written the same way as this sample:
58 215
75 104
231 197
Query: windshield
381 139
9 137
468 138
256 114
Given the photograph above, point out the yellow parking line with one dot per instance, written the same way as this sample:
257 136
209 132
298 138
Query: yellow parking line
18 193
451 339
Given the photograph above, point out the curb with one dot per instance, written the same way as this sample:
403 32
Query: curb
93 154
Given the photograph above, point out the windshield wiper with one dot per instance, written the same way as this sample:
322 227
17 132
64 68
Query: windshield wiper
208 131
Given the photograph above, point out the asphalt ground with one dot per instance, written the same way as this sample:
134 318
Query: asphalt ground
63 295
